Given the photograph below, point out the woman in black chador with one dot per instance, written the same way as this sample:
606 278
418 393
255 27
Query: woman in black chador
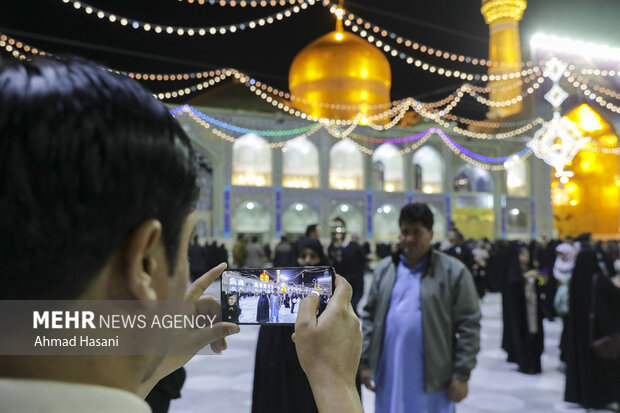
280 384
523 328
591 381
262 309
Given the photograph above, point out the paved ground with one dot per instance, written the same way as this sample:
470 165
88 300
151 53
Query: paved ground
223 383
248 311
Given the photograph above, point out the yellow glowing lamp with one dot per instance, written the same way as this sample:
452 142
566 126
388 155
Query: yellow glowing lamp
264 277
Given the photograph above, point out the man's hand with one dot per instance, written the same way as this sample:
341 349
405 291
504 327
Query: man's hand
457 390
329 349
365 379
191 341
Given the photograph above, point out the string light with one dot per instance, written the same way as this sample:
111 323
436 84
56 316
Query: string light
571 77
234 128
352 20
437 69
583 88
486 162
243 3
188 31
599 72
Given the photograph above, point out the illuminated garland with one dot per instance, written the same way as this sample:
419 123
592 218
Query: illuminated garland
189 31
254 85
350 19
238 129
243 3
598 72
583 88
483 161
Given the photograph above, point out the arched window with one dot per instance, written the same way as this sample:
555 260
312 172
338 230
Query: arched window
300 164
251 218
471 178
387 154
516 177
428 168
251 161
385 224
297 217
346 169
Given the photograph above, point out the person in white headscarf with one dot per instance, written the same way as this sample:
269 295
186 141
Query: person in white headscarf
564 263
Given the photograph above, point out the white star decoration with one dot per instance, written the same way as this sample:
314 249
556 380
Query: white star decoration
554 69
556 95
557 143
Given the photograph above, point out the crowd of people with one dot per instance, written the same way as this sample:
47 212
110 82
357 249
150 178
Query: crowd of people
546 279
92 227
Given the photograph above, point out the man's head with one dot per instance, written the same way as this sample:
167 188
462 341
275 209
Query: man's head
95 174
312 231
416 230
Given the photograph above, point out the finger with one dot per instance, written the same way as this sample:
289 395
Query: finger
293 337
306 316
219 345
342 293
198 287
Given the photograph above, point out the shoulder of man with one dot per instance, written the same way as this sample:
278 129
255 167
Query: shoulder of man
444 262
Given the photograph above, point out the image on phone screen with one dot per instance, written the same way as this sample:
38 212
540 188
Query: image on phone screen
272 295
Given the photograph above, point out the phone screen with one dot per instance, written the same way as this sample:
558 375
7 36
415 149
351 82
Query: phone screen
272 295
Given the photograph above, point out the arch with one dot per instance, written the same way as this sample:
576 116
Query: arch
251 218
300 164
471 178
388 155
297 217
251 163
385 223
516 177
346 166
352 217
428 169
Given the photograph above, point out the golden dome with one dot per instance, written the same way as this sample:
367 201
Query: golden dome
340 68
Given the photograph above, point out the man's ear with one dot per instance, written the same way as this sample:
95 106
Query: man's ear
143 258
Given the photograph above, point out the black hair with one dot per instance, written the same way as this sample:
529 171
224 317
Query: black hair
86 155
310 229
417 212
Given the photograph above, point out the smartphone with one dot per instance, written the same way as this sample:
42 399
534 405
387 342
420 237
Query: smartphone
271 296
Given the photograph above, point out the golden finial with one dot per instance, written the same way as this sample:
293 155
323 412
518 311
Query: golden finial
339 13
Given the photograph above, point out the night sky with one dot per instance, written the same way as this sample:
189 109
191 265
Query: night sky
267 52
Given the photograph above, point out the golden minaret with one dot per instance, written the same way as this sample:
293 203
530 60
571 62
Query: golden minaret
503 18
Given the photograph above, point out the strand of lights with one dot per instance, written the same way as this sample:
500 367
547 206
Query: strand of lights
10 44
572 77
187 31
583 88
507 102
573 47
350 19
437 69
234 128
435 116
415 145
598 72
465 154
194 88
244 3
